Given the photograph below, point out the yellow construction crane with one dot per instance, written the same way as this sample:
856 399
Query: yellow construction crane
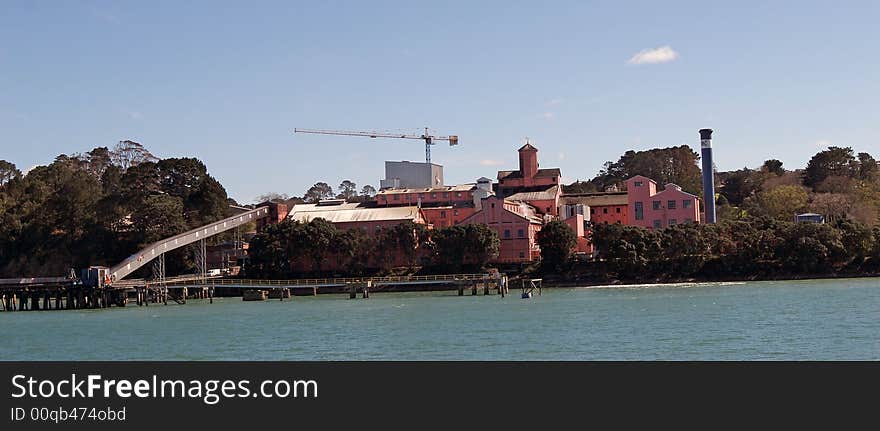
429 139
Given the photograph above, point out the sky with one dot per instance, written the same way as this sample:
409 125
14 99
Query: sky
584 81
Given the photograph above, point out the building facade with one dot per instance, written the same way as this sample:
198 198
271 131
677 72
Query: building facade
407 175
654 209
517 225
607 208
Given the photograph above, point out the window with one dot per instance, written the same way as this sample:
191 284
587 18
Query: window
522 255
493 205
421 195
637 183
685 204
655 205
548 210
397 197
433 195
687 220
640 212
604 210
506 233
617 210
442 214
455 213
657 224
445 195
458 194
592 210
673 222
670 205
521 233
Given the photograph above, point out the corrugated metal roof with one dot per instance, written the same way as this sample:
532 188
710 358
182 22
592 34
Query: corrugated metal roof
596 199
455 188
548 194
343 214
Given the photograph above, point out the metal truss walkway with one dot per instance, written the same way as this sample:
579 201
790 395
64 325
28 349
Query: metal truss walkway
159 248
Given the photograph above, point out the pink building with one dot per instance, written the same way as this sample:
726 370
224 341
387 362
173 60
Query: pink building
539 187
517 224
651 209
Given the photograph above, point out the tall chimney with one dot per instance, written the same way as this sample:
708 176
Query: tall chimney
708 175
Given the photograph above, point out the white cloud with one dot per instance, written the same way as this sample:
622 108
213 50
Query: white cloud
561 155
555 101
663 54
823 144
489 162
135 115
547 115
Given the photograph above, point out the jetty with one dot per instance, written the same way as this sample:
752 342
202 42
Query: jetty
65 293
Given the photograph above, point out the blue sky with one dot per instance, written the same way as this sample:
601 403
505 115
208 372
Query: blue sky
228 83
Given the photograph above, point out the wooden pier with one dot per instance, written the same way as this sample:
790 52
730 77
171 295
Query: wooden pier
66 293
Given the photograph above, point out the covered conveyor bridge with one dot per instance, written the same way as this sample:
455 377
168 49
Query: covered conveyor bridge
147 254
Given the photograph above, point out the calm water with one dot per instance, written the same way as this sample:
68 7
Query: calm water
801 320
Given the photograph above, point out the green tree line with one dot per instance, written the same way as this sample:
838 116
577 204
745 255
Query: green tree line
99 207
292 248
756 247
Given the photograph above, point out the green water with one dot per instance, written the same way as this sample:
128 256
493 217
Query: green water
833 319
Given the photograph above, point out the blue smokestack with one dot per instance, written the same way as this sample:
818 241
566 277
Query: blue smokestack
708 175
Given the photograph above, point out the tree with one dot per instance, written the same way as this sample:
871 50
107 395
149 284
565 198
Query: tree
318 192
352 247
368 191
773 166
580 187
347 190
867 167
157 217
406 239
738 185
557 240
272 196
831 205
97 161
268 251
835 161
465 245
8 171
781 203
665 165
130 153
856 238
319 234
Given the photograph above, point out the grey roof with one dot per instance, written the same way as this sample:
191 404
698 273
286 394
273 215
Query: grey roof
351 213
541 173
440 189
548 194
596 199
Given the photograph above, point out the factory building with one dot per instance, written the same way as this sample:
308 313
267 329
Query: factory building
651 209
411 175
517 224
442 206
608 208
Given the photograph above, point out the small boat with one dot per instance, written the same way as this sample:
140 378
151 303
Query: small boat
254 295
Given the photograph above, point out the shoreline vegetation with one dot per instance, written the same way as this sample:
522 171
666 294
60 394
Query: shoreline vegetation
550 282
97 208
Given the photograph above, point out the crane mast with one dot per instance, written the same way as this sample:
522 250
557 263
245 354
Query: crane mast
428 138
